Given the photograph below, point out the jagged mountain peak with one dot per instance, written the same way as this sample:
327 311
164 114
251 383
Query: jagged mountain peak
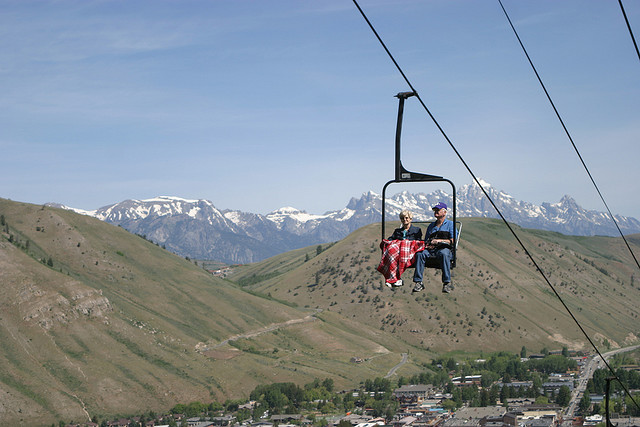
132 209
473 184
195 228
570 201
364 200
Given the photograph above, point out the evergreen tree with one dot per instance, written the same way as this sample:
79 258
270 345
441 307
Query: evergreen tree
599 380
632 408
564 396
542 400
585 403
494 394
328 384
485 398
504 393
457 397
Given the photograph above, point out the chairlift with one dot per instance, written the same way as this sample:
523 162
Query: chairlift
402 175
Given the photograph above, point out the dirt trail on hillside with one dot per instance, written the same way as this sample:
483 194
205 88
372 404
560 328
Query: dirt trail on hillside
251 334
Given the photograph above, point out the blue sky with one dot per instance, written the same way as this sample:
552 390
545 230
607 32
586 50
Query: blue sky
256 105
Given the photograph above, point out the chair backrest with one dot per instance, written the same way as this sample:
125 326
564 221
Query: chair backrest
458 232
426 224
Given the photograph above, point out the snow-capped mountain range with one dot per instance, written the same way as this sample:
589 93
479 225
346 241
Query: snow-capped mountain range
197 229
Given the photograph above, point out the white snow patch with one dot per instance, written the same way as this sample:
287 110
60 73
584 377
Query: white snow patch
348 213
92 213
279 215
169 199
233 216
484 183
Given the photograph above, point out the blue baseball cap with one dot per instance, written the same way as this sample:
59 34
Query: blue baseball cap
439 206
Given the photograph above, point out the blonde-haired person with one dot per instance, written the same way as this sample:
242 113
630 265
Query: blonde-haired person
390 265
407 231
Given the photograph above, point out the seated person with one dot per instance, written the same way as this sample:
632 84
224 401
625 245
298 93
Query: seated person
439 240
407 231
399 250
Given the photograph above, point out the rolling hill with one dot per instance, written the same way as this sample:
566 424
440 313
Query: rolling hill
96 321
500 301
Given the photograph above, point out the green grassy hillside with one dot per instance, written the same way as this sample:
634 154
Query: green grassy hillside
500 300
97 321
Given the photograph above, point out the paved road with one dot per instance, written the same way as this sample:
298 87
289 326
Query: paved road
593 363
393 370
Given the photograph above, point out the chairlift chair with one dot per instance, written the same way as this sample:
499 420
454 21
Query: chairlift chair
402 175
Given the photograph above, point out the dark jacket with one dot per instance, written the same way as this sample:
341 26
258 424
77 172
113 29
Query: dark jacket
414 233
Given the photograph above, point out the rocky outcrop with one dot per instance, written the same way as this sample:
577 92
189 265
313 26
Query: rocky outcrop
49 308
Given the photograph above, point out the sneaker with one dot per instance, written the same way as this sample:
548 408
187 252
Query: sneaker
417 287
395 284
447 287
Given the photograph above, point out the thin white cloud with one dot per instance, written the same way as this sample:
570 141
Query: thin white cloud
170 93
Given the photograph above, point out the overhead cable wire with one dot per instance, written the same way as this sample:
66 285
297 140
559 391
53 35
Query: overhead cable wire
629 28
588 173
468 168
566 131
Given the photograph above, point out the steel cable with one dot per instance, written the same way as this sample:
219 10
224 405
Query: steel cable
633 39
588 173
469 170
569 135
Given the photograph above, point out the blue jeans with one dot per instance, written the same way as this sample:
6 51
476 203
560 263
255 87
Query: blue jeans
444 262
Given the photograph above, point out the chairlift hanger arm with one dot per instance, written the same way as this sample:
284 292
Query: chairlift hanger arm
404 175
401 173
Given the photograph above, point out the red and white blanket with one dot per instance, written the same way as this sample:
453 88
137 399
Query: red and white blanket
397 256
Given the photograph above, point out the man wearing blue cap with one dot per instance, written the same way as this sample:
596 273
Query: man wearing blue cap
439 240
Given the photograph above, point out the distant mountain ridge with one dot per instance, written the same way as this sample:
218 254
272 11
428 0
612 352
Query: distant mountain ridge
197 229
